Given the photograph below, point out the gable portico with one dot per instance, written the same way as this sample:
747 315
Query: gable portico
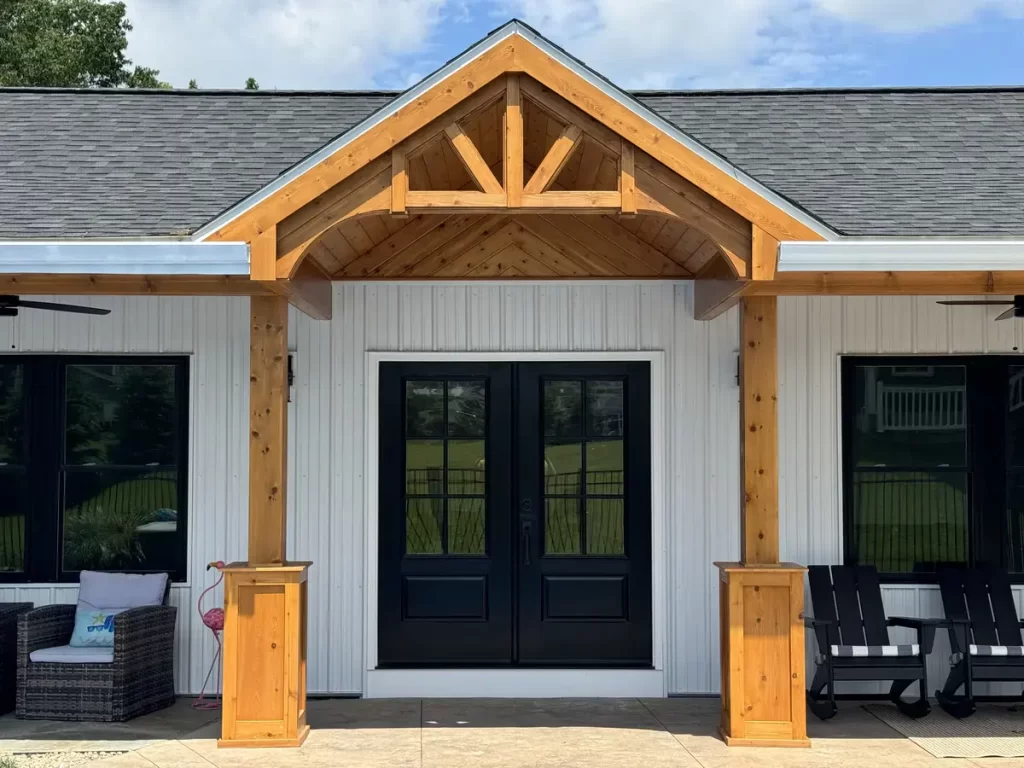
608 193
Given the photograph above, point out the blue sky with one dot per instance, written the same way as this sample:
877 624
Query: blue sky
335 44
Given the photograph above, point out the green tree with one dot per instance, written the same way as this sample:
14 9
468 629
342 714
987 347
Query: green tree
193 85
251 84
68 43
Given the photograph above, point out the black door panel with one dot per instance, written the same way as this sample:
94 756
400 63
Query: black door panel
522 541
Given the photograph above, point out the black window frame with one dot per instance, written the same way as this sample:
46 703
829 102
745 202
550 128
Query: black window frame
45 438
986 460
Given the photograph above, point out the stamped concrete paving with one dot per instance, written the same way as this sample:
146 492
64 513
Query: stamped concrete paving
448 733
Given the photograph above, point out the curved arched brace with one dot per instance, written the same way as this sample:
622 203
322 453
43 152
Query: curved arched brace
300 230
731 234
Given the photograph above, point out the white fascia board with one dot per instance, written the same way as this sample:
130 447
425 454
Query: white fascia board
120 257
510 29
902 256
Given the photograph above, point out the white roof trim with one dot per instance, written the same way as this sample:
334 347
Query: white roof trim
514 27
121 257
894 255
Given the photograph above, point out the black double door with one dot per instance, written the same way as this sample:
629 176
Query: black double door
514 515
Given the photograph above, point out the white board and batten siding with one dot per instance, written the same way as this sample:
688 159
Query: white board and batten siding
329 420
813 334
328 434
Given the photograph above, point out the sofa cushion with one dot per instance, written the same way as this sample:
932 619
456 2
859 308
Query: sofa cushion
94 627
121 590
65 654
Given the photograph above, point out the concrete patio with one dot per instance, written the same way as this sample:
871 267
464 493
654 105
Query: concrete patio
480 732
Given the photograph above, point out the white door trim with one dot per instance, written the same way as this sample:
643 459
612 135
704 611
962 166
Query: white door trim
515 682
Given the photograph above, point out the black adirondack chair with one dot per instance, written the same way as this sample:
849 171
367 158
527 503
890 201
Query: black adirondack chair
984 634
852 632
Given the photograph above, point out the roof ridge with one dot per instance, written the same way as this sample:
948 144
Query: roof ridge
702 92
202 91
825 90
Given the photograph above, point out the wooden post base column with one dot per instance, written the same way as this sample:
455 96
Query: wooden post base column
264 701
762 631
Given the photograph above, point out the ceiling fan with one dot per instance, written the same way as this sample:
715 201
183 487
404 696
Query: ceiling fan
9 306
1016 307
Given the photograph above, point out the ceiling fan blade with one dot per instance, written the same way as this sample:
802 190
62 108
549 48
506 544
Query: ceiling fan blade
1011 312
975 303
75 308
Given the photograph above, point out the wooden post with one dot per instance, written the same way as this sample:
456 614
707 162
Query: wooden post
265 598
264 656
268 428
759 417
513 143
761 599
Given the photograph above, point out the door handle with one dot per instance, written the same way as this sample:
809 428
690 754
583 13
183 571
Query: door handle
526 541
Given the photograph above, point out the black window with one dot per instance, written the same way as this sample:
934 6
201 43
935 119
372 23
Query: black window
93 465
933 463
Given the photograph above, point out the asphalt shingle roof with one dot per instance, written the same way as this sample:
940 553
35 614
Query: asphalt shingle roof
865 162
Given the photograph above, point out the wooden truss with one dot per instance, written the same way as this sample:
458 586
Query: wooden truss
513 181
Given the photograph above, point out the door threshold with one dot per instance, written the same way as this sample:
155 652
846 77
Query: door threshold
514 683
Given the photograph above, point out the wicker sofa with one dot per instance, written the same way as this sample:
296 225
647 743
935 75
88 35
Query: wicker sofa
9 613
137 678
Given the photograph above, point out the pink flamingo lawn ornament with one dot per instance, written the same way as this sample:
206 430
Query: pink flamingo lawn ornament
214 619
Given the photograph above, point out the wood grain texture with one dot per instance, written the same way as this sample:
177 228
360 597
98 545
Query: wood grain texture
129 285
627 178
514 142
762 647
264 656
764 254
435 102
679 158
399 181
473 161
759 420
554 161
268 428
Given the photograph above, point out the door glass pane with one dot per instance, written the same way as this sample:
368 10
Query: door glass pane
909 416
466 471
424 522
562 526
605 527
424 409
563 464
12 520
563 409
909 521
466 408
605 467
424 467
121 414
12 414
466 520
120 519
605 409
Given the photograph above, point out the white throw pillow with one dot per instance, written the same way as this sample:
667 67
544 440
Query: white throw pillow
121 590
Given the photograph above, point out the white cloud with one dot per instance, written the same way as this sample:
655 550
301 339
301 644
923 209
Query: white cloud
915 15
734 43
282 43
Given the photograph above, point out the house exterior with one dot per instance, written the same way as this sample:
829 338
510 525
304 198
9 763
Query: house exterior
514 359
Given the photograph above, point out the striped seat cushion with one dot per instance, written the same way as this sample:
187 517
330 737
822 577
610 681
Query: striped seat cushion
997 650
870 651
989 650
875 651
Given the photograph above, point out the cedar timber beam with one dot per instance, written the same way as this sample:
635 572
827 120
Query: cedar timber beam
268 428
514 140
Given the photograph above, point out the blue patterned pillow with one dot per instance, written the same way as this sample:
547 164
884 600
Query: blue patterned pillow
94 627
